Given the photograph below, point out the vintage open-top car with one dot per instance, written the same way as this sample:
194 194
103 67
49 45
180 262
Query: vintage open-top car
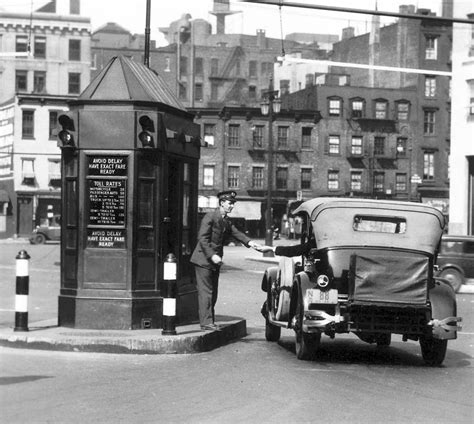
367 268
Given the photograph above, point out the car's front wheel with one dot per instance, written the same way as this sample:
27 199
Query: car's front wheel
433 350
39 239
454 277
306 344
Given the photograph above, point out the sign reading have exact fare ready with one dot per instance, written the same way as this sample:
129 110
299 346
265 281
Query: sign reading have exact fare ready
107 190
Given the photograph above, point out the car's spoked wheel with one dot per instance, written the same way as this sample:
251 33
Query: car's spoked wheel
272 332
40 239
306 344
433 350
454 277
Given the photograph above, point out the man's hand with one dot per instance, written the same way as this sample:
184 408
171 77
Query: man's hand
265 249
254 245
216 259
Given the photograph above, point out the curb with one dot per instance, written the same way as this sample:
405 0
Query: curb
190 339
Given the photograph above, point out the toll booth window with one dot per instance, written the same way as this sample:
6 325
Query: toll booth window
187 219
379 224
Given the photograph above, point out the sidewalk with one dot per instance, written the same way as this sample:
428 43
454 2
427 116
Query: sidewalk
46 335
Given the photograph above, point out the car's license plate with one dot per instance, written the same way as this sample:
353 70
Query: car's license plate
319 296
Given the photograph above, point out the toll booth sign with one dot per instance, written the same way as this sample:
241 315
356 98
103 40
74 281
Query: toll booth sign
107 199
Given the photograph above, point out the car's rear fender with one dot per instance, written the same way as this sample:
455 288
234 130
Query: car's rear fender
447 265
443 310
270 273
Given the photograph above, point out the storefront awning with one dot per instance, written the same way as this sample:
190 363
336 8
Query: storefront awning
248 210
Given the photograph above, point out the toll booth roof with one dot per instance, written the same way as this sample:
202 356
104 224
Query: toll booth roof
124 79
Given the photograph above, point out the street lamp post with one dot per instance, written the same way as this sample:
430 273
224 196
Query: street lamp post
270 105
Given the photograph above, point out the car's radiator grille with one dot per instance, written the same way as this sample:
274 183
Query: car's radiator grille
401 320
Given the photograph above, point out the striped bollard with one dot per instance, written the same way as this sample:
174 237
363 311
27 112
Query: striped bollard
22 288
169 295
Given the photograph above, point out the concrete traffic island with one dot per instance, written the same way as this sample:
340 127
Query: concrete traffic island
46 335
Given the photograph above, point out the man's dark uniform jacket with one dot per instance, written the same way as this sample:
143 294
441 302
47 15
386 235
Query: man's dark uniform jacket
214 229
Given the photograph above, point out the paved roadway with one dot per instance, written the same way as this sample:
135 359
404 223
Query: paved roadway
251 380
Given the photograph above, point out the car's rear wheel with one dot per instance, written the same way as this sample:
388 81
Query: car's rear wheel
39 239
306 344
454 277
433 350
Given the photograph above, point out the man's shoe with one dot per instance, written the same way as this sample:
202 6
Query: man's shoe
210 327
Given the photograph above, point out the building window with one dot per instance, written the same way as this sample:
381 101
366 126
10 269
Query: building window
357 108
306 178
401 147
28 171
234 135
282 142
253 69
167 64
403 109
431 50
267 69
356 181
39 82
214 90
53 123
428 166
183 92
335 107
333 180
284 87
281 178
334 144
208 175
258 136
233 176
237 68
381 110
40 47
183 66
21 81
379 178
198 96
429 122
209 134
306 137
356 146
257 177
214 67
28 124
74 83
309 80
252 92
54 168
21 45
379 146
401 183
198 67
75 50
430 86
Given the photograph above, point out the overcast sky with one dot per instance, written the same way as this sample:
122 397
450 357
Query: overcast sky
131 15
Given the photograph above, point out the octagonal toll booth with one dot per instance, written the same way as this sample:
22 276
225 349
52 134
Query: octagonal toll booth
130 155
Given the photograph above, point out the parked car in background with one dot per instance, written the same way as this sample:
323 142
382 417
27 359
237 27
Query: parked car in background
368 268
456 259
49 229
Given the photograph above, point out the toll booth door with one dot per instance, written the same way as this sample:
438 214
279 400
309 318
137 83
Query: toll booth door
182 211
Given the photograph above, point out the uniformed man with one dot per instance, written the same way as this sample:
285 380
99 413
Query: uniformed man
207 256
